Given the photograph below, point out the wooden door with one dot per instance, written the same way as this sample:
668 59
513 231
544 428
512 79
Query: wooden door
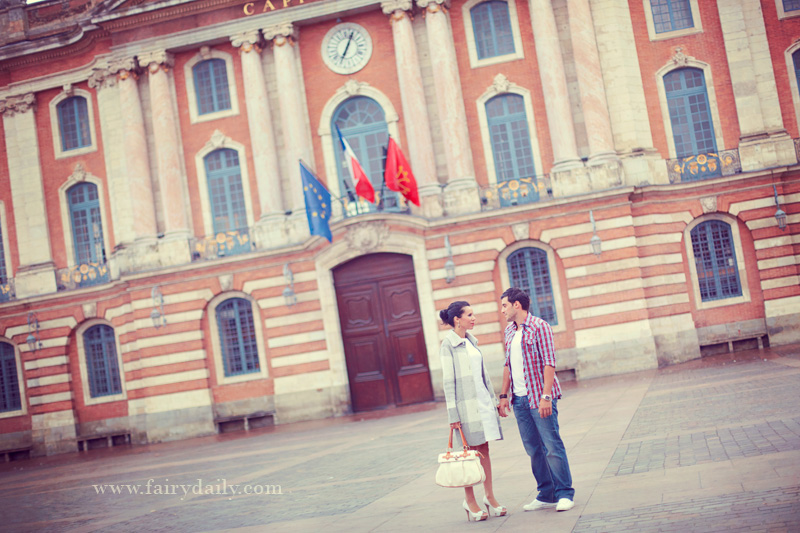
384 346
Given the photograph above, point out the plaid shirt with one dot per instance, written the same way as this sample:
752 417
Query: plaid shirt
537 352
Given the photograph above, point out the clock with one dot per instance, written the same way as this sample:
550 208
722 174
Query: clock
346 48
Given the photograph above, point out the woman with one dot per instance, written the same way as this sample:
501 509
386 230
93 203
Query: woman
471 402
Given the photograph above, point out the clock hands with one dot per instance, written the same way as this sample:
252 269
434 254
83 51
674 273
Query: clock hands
349 40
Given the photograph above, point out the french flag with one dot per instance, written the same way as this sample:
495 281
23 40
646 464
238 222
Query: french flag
363 186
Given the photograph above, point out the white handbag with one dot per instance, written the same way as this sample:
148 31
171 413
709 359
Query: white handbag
459 469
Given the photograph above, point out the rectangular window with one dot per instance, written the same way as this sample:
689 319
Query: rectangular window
791 5
671 15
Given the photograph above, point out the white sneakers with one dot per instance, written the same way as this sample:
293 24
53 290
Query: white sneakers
535 505
564 504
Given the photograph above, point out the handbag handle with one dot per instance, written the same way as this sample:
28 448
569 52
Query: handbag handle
450 441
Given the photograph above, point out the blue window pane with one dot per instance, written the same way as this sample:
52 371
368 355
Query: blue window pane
791 5
87 227
10 399
715 259
101 361
671 15
73 122
363 123
528 271
491 25
3 272
511 142
689 112
225 191
211 86
237 336
796 60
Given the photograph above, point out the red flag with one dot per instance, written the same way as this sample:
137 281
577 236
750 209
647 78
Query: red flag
398 174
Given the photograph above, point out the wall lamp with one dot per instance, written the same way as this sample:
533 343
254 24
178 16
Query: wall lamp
595 242
288 293
780 214
157 314
449 266
33 340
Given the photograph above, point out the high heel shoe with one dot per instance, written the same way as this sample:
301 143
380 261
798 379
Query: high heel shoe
494 511
477 517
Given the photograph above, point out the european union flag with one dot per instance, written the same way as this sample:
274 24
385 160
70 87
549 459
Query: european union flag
318 204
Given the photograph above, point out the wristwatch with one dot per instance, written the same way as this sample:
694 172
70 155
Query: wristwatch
503 396
547 398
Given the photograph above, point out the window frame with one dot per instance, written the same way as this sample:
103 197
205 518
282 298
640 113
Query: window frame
651 27
497 89
794 84
782 13
555 282
79 176
191 91
740 262
216 345
469 32
6 248
87 396
689 62
23 400
55 123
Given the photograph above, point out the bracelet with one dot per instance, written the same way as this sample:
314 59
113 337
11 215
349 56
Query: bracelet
503 396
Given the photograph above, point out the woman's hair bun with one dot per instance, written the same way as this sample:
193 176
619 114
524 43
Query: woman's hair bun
443 316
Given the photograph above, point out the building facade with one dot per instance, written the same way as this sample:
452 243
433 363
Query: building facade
633 164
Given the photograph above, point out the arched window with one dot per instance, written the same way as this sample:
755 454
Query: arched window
791 5
211 86
491 25
528 270
237 337
10 399
671 15
363 123
511 140
225 190
689 113
73 123
715 260
87 227
796 61
102 364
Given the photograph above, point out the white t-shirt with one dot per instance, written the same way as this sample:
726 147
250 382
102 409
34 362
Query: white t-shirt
517 372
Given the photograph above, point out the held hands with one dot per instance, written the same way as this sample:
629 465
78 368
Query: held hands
503 408
545 408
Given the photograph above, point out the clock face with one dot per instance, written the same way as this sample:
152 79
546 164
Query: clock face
346 48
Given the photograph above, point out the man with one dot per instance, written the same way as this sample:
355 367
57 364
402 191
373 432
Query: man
530 374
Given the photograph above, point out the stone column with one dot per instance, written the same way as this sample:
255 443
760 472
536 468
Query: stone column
604 164
175 246
415 115
764 142
461 194
296 134
622 80
36 272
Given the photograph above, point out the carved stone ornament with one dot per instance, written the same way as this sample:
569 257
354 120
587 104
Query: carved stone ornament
500 84
367 236
102 78
245 41
155 60
226 281
68 89
709 204
522 231
90 310
433 5
679 58
17 104
284 29
353 87
390 6
79 174
205 52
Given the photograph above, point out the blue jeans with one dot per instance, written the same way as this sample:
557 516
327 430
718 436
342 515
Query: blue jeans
544 446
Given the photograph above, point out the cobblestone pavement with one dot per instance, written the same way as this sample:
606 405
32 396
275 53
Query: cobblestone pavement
709 445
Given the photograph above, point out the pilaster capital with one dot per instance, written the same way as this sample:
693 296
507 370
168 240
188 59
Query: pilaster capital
155 60
280 34
433 6
389 7
246 41
17 104
102 78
